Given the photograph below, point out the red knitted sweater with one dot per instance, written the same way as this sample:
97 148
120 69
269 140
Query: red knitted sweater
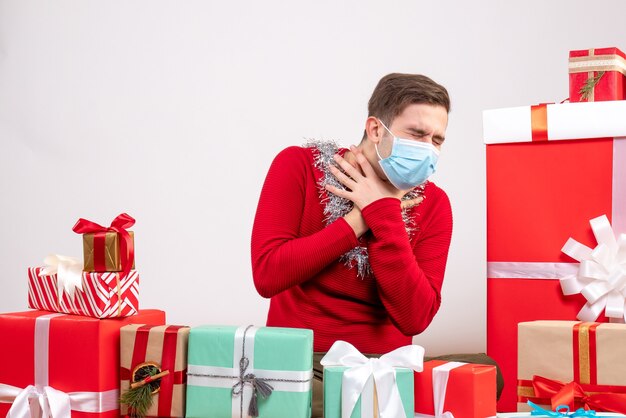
296 261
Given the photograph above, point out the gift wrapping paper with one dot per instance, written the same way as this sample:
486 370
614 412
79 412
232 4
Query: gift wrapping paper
101 295
463 389
228 365
101 251
552 354
62 361
356 386
543 187
166 347
109 248
368 398
527 414
608 64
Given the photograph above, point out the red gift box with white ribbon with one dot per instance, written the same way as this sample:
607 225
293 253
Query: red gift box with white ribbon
455 389
57 364
550 170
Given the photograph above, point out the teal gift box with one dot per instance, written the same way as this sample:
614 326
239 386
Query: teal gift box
230 369
333 376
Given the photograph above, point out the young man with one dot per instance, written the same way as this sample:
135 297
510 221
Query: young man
353 243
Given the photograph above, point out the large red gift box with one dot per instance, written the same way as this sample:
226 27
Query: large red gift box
604 66
103 295
544 184
463 389
52 356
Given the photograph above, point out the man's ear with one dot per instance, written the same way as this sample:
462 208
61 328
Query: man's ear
374 129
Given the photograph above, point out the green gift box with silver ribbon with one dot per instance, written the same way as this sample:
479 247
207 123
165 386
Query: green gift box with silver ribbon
237 372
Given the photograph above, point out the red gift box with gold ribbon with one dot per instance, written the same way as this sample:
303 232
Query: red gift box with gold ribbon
550 170
597 74
62 363
164 349
578 364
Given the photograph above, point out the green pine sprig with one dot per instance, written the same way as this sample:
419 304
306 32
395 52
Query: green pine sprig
139 399
586 90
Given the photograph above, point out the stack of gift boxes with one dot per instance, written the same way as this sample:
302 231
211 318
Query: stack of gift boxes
88 351
62 359
556 179
556 243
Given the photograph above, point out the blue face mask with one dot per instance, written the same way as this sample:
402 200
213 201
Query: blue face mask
410 163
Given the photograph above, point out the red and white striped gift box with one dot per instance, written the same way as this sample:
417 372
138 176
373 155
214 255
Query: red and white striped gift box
103 295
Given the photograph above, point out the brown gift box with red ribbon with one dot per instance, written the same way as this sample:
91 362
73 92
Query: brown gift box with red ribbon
101 251
579 364
164 350
597 75
108 248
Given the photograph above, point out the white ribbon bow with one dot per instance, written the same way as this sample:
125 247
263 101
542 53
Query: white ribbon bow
50 403
69 271
601 277
361 369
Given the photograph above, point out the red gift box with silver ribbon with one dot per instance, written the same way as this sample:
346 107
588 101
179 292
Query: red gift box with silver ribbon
57 364
550 170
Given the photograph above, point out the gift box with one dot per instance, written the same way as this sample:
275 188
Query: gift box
66 363
359 387
578 364
367 404
100 295
107 248
102 252
597 74
543 187
236 371
149 350
527 414
462 389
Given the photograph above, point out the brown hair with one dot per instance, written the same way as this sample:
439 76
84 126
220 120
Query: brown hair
394 92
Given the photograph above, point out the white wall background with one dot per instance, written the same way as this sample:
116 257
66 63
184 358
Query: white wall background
173 110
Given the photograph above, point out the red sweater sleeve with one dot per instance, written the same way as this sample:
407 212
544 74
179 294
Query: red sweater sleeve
409 279
281 258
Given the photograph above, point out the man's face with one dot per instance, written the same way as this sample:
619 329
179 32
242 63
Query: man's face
418 122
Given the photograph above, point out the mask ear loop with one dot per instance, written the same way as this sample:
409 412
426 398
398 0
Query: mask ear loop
385 126
376 145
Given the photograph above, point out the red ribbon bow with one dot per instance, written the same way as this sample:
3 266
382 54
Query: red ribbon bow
119 225
573 395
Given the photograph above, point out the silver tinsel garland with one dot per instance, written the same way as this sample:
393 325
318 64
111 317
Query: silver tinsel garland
336 207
